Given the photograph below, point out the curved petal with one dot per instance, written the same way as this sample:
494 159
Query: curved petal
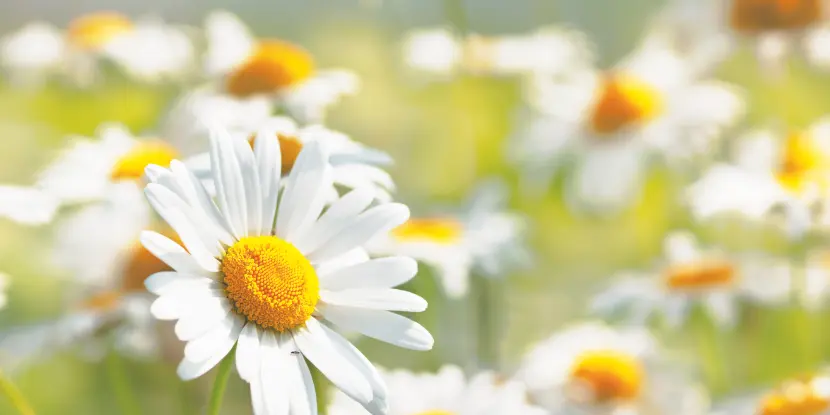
342 212
227 177
191 369
377 273
247 353
381 325
366 226
169 252
304 196
375 299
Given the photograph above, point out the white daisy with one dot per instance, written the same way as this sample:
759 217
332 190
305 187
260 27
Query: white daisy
483 238
148 50
547 50
248 67
591 368
771 173
445 393
773 27
689 275
806 395
273 278
610 123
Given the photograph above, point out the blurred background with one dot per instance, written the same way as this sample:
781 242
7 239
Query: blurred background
445 137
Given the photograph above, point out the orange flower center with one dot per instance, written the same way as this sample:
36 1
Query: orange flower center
700 275
102 301
608 375
796 397
131 165
273 66
93 31
437 230
754 16
290 148
624 101
270 282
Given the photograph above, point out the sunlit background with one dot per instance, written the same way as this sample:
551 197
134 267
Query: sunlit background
446 134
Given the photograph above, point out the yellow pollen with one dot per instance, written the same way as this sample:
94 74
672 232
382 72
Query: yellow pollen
270 282
795 397
755 16
290 148
438 230
93 31
102 301
273 66
609 375
700 275
624 101
803 165
131 165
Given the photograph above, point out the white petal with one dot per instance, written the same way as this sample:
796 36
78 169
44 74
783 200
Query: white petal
191 239
170 252
209 343
316 347
375 299
381 325
199 197
198 321
369 224
247 353
269 159
30 206
304 195
165 200
377 273
338 216
167 281
189 369
303 396
249 171
258 398
273 375
171 307
230 191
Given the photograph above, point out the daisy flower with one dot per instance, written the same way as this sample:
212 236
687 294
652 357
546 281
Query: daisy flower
806 395
654 103
689 275
591 368
482 238
772 27
548 50
148 50
445 393
771 174
264 273
247 67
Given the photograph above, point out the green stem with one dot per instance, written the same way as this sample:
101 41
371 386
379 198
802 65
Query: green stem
121 384
15 396
220 383
708 347
488 305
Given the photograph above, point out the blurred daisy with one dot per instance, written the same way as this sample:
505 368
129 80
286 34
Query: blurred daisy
445 393
771 176
106 302
807 395
689 275
611 123
248 67
591 368
772 26
147 50
548 50
274 277
482 238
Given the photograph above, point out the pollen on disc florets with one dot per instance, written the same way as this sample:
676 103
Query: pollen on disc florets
132 164
273 65
270 282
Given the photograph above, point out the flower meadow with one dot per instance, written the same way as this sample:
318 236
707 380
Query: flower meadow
393 207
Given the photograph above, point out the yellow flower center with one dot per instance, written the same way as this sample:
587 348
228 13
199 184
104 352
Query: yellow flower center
274 65
804 165
93 31
102 301
700 275
624 101
438 230
754 16
795 397
608 375
131 165
290 148
270 282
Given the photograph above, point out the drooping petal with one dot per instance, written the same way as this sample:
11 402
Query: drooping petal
377 273
381 325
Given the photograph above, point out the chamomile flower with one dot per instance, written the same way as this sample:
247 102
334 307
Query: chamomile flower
771 174
547 50
773 27
147 50
689 275
247 67
482 238
806 395
609 124
591 368
261 269
446 392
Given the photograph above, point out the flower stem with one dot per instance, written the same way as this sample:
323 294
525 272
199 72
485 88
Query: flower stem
121 384
220 383
15 396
